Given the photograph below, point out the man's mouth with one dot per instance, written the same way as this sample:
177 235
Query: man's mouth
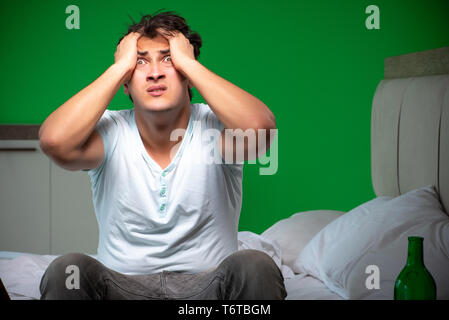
156 90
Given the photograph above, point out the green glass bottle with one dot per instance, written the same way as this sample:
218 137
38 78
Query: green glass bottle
414 281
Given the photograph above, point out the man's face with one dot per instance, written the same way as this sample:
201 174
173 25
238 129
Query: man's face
154 68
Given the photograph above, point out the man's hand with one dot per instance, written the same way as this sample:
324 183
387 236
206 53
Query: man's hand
126 54
181 50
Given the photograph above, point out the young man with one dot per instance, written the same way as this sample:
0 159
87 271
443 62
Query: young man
168 220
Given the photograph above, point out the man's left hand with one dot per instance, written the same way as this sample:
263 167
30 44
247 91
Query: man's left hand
181 50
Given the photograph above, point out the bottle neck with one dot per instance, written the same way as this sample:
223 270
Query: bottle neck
415 251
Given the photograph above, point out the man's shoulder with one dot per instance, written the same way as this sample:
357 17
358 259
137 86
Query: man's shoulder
202 112
202 109
116 114
116 118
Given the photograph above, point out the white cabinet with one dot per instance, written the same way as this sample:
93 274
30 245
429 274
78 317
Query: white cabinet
44 209
73 224
24 195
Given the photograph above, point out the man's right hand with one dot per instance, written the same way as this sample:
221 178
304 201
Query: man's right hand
126 54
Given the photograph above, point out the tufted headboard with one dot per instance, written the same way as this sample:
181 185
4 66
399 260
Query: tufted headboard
410 125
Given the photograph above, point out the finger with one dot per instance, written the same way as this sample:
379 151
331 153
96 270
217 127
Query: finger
129 36
133 35
165 33
160 31
136 35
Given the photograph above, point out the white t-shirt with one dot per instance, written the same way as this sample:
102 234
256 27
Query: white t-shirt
183 218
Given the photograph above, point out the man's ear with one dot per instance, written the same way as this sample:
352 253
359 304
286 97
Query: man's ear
125 88
190 85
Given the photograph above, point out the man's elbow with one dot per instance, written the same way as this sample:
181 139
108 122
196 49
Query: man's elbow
266 133
51 148
268 122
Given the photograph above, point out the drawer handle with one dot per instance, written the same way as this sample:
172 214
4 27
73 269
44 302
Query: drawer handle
17 149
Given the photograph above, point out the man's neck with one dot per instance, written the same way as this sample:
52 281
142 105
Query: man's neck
155 127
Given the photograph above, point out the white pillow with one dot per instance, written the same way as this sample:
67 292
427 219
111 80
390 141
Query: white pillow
376 233
292 234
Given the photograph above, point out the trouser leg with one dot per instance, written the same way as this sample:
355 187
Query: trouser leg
95 281
61 279
251 275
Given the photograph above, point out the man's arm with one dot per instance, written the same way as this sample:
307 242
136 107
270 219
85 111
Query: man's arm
234 107
67 134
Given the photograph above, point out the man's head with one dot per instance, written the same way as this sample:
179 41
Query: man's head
155 67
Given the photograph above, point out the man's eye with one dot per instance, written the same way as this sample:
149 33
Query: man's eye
140 59
167 58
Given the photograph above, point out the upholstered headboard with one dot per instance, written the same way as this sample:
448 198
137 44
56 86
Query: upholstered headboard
410 125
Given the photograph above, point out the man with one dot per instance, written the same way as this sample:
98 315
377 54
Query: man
167 219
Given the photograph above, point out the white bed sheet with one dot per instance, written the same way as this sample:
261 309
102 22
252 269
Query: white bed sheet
21 272
305 287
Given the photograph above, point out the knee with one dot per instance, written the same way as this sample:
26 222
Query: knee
255 274
56 274
59 266
252 262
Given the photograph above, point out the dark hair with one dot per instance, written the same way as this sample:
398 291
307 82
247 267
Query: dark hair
169 21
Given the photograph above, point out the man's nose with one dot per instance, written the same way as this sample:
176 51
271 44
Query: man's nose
155 72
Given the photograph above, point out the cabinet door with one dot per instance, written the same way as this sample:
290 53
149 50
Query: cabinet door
24 197
73 223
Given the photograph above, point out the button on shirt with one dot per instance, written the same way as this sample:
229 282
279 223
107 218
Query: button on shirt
182 218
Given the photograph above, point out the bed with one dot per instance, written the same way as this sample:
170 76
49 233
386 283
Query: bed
334 255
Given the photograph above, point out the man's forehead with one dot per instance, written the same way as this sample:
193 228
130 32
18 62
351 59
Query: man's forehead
152 45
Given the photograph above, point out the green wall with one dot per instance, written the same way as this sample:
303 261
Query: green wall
314 63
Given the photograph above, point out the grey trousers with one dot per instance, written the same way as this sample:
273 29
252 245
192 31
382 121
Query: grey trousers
245 274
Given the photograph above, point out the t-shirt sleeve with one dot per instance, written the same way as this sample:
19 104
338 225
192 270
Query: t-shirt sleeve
212 122
107 127
212 134
233 172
